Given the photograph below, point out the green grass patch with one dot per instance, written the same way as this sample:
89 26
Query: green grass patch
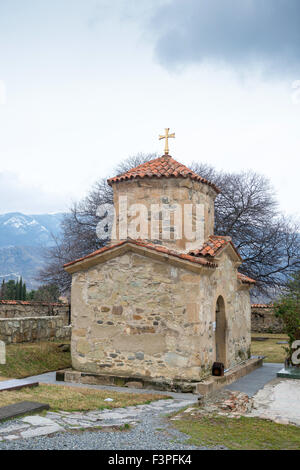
26 359
65 398
239 434
125 427
273 352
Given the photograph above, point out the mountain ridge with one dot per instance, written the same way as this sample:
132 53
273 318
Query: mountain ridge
23 237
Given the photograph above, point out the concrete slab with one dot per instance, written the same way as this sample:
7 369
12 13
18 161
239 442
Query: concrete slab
21 408
256 380
16 384
41 431
13 428
279 401
214 383
289 373
38 421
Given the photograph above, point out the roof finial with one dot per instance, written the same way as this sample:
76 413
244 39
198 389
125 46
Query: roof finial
167 136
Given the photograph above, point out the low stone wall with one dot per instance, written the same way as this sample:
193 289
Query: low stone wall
22 309
263 320
30 329
22 321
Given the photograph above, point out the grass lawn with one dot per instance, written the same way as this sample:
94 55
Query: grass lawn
273 352
239 434
64 398
25 359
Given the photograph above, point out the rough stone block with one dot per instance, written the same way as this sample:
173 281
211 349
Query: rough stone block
175 360
139 355
192 310
117 310
83 346
104 332
149 343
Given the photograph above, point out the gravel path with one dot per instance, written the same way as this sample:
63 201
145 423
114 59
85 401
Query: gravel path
152 431
153 434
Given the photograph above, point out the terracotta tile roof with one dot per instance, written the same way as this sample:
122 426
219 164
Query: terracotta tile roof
245 279
213 245
164 166
150 246
194 258
261 305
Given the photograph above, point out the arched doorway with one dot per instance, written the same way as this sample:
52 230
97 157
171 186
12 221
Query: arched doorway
220 333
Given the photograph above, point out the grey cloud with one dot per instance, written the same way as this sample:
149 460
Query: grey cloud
17 197
235 32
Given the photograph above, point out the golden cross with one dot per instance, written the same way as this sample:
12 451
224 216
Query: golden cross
167 136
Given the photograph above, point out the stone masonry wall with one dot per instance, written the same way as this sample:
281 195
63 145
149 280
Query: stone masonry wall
263 320
22 321
22 309
22 330
237 310
168 191
136 316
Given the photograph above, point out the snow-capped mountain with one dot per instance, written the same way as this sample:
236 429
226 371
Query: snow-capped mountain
22 240
18 229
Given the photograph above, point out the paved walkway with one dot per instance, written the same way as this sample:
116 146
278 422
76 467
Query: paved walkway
149 429
13 384
249 384
256 380
52 422
279 401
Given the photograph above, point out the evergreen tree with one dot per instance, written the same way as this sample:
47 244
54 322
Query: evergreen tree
288 309
24 292
30 295
2 290
17 288
10 290
20 289
13 290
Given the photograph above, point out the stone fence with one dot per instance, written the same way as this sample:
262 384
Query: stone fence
263 319
22 308
22 321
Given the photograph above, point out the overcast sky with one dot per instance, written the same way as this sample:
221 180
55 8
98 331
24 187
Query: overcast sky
86 83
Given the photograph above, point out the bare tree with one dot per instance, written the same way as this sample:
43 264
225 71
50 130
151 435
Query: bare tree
79 236
134 161
246 210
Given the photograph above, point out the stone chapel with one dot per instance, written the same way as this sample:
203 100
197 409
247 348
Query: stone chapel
160 311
